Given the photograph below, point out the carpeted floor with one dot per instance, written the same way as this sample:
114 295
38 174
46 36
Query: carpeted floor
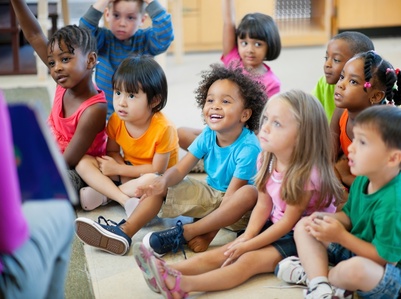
31 95
78 283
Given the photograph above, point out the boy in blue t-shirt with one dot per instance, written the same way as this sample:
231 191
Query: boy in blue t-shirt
125 37
363 241
231 105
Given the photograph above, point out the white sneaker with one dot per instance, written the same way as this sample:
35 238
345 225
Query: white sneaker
342 294
290 270
322 290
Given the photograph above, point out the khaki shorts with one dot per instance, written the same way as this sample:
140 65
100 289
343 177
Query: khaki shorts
195 198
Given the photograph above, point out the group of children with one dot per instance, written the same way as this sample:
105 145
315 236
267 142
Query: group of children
279 165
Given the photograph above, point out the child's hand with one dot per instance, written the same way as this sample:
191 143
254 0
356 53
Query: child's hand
235 250
157 187
107 165
325 229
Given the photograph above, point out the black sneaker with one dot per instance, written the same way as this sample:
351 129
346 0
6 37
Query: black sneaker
106 237
167 240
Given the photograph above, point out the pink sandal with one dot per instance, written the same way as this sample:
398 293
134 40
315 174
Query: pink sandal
161 278
91 199
142 257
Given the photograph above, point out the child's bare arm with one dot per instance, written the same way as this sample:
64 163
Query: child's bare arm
344 171
335 131
229 36
31 28
330 229
90 124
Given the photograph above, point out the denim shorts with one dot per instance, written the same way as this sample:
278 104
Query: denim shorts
285 245
337 253
388 288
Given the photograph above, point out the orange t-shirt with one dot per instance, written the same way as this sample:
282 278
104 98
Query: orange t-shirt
161 137
345 141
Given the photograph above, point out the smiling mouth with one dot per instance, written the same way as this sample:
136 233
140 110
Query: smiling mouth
215 116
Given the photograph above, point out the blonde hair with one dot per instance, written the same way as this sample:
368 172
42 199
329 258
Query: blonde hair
312 150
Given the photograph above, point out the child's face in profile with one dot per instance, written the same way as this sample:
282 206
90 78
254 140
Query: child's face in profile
368 153
124 17
349 92
337 54
278 129
224 110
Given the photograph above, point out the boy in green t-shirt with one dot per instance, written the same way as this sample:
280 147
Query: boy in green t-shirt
363 241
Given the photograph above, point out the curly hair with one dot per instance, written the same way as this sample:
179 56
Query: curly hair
252 92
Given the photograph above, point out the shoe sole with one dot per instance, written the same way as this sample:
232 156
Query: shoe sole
92 234
143 264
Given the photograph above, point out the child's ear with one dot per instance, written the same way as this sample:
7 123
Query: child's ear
91 60
155 101
377 96
246 114
395 158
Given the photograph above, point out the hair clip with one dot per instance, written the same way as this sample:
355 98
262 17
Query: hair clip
388 70
367 85
397 71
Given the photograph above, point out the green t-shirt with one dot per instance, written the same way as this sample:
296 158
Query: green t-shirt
324 92
376 218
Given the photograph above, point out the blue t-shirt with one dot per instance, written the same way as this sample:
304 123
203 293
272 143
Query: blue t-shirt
222 163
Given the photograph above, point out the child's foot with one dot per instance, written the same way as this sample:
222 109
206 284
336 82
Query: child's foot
103 236
91 199
201 243
130 205
290 270
142 257
168 280
165 241
322 290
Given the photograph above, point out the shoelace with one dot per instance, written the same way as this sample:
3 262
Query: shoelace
177 240
106 221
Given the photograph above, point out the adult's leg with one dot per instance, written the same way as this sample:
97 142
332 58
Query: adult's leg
38 268
202 232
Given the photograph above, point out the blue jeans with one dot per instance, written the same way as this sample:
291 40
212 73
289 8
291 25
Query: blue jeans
38 268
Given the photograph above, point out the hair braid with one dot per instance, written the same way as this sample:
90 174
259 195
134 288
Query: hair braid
369 60
74 37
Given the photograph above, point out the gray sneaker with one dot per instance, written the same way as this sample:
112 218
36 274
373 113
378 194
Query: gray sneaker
290 270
